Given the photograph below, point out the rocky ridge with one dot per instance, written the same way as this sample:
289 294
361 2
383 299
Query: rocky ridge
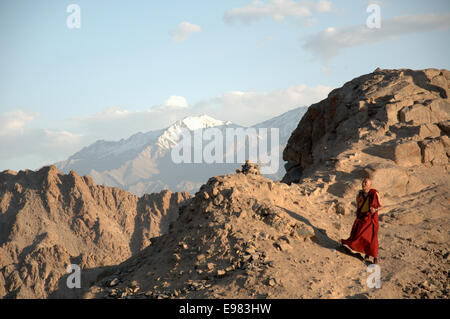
49 220
399 118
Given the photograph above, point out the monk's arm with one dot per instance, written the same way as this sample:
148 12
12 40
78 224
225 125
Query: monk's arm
380 206
379 201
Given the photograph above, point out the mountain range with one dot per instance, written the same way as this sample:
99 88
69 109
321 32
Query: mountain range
142 163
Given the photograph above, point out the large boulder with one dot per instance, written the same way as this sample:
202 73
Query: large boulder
403 154
371 109
436 150
389 179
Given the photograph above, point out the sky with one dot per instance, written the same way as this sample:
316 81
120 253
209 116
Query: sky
109 69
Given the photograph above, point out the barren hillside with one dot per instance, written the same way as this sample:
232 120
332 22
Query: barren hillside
49 220
243 235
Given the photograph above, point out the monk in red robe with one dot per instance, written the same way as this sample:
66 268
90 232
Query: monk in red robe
364 235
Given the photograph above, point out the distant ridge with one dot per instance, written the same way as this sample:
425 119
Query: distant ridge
142 164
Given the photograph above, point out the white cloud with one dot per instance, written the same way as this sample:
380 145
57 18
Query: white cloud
56 139
245 108
248 108
14 121
277 9
114 124
330 42
324 6
176 101
184 30
18 139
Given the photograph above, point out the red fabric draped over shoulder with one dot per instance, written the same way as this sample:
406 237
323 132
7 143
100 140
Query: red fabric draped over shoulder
364 235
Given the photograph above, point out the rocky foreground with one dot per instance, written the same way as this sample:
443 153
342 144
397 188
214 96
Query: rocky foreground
245 236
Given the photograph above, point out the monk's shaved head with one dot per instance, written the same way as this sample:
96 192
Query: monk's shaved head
366 183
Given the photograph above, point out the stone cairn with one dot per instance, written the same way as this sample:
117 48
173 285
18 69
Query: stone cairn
249 168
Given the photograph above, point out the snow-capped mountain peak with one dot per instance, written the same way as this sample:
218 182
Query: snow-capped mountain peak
191 123
202 121
141 163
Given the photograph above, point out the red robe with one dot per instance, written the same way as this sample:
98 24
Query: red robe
364 235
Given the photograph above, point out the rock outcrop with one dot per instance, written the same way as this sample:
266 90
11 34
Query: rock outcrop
49 220
401 116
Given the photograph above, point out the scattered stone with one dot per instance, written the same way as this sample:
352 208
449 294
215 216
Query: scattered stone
134 284
283 246
341 208
284 238
221 273
113 282
271 282
218 200
201 258
229 268
304 231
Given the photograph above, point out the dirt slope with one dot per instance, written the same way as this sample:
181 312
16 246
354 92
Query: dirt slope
244 236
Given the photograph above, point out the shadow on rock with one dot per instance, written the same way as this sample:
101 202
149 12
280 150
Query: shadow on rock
320 235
